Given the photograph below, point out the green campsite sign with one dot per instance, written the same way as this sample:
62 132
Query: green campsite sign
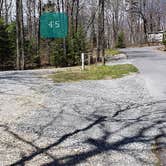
53 25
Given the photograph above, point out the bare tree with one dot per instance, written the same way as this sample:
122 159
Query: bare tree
101 32
1 7
7 6
20 35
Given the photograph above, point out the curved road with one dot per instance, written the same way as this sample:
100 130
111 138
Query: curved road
152 65
102 123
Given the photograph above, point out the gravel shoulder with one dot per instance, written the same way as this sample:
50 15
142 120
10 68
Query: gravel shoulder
107 122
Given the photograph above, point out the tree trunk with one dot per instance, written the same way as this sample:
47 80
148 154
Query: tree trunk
77 14
1 7
145 30
64 40
99 31
6 12
20 35
58 5
103 33
38 36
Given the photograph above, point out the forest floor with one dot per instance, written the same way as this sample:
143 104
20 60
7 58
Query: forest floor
106 122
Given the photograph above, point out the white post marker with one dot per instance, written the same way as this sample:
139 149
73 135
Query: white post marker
83 61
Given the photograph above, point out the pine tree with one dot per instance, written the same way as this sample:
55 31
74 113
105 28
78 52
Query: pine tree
4 44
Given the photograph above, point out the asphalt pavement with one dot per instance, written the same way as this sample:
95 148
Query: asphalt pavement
152 65
107 122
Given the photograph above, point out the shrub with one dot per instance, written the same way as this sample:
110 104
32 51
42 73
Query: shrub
6 46
75 45
112 52
120 43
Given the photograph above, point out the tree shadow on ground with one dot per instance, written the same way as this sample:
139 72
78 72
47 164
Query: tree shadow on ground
100 145
44 150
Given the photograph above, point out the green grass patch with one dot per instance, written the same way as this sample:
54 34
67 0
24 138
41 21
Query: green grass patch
112 52
94 73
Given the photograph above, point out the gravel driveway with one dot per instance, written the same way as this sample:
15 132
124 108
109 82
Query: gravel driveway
101 123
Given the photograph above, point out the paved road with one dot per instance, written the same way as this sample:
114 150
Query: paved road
152 65
102 123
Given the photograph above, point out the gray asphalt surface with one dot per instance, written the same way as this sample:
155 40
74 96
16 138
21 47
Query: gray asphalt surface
152 63
101 123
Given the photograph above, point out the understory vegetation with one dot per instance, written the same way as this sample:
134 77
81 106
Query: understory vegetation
93 27
7 45
112 52
75 45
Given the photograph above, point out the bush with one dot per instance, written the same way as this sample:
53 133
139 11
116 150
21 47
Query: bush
32 59
112 52
7 48
11 30
121 40
57 54
75 45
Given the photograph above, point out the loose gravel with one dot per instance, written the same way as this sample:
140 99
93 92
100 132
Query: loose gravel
102 123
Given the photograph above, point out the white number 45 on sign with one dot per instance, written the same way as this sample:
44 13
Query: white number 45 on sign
54 24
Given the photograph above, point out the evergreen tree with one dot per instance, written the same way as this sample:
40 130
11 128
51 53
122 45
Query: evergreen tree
75 45
121 40
4 45
11 30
